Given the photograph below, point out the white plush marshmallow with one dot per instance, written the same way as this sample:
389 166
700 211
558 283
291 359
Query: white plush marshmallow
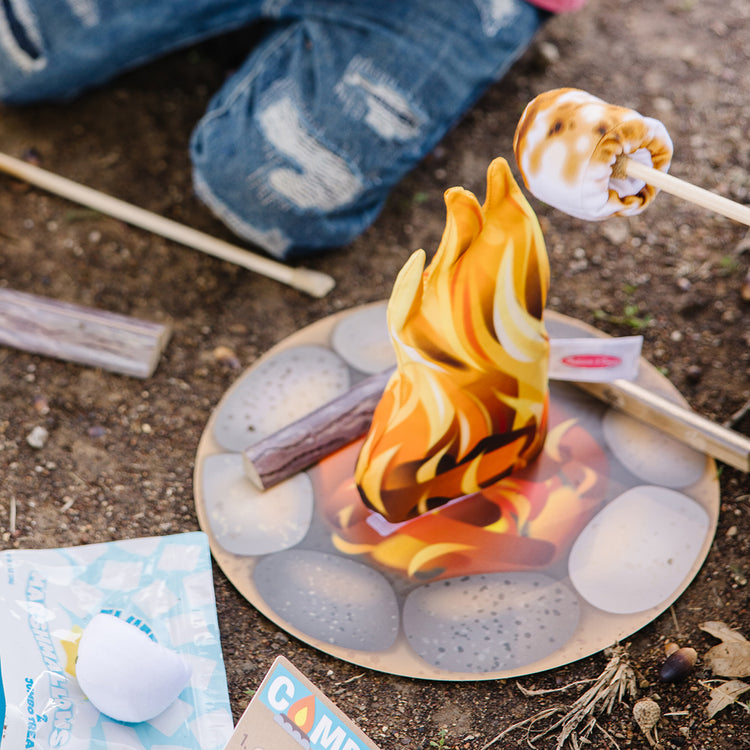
124 673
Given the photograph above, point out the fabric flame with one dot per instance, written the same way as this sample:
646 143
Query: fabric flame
468 402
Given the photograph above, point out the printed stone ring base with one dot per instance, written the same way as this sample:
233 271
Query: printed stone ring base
598 537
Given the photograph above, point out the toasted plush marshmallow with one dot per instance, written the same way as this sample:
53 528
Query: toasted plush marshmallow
468 401
567 143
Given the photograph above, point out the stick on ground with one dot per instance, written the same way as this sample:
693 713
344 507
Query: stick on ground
315 283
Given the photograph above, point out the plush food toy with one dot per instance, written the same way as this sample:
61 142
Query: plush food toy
567 145
467 403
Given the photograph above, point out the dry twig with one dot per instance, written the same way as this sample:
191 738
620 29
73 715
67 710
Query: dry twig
739 415
12 515
580 718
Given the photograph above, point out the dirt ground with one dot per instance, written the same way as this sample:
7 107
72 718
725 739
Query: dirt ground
119 459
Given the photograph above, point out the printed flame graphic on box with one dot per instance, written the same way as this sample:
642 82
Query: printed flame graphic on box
299 720
467 404
302 713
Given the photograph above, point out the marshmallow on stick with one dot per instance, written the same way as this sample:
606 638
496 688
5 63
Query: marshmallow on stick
567 144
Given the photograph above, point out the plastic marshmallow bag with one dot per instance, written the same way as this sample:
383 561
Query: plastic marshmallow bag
163 586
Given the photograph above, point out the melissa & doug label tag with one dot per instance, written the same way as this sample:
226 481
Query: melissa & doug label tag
593 359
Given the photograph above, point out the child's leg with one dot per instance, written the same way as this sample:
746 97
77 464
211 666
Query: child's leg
53 49
301 147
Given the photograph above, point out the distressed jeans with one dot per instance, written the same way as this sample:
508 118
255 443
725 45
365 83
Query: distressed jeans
300 147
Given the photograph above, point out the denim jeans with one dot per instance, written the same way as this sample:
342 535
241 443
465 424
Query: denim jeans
300 147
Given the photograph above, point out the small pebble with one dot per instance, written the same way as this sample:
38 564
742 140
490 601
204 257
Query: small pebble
41 405
549 53
32 156
226 356
617 231
37 438
647 713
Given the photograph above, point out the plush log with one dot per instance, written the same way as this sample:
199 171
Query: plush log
341 421
303 443
85 335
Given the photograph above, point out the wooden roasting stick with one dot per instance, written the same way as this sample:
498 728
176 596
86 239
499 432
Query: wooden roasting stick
681 189
729 446
313 282
336 424
117 343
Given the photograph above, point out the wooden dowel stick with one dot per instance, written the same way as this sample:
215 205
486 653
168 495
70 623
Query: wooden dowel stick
685 190
681 423
318 434
307 280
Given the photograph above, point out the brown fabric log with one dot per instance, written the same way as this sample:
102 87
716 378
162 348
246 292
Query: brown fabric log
85 335
303 443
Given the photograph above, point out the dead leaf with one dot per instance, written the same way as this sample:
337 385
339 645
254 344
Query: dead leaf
724 695
722 631
729 659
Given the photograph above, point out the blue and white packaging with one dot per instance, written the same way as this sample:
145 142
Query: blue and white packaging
164 586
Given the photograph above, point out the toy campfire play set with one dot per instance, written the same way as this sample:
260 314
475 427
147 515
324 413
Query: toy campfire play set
455 485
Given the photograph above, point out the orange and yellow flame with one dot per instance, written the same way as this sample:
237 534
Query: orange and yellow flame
468 402
526 521
302 713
